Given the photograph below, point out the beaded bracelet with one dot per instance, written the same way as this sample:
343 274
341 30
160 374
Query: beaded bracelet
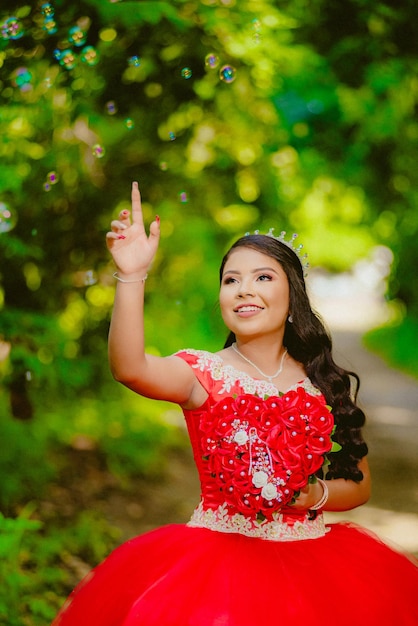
122 280
321 503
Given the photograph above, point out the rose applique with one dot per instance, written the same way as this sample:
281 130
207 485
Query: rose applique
260 452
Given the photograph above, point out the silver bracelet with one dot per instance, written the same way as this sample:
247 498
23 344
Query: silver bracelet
321 503
122 280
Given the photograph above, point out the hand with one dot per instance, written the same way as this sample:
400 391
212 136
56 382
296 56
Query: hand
132 250
308 496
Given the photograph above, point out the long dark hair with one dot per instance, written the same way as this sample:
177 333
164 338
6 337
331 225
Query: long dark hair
308 342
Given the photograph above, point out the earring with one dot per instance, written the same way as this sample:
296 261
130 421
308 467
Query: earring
290 319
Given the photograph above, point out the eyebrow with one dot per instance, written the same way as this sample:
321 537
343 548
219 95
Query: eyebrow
255 271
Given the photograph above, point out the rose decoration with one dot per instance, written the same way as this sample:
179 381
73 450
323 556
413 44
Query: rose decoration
260 452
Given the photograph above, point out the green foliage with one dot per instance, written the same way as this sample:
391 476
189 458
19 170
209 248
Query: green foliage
396 343
24 462
317 134
37 574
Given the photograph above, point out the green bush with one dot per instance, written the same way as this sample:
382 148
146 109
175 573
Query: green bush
396 344
39 566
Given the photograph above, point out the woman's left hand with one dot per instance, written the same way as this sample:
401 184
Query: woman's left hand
308 496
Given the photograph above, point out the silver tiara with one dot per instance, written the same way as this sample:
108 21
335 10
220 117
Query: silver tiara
303 258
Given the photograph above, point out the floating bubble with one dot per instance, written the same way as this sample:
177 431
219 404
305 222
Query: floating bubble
57 54
89 55
227 73
21 77
163 166
47 186
171 135
67 59
212 60
77 36
7 218
50 26
98 151
183 196
47 10
52 178
90 277
111 107
134 61
129 123
186 73
12 28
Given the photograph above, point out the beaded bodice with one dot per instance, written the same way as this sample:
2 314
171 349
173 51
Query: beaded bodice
254 448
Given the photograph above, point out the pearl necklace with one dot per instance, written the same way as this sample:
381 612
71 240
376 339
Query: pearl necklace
269 378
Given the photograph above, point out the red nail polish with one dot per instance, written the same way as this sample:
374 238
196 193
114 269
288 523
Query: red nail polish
125 212
157 219
121 237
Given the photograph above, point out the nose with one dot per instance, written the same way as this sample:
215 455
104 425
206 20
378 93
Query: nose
245 288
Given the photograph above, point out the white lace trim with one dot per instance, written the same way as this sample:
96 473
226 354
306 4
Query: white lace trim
207 361
277 530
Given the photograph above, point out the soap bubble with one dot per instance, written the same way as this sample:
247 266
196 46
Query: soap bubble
50 26
89 55
183 197
12 28
52 178
111 107
227 73
77 36
171 135
134 61
21 78
129 123
67 59
186 73
163 166
98 151
256 26
90 277
47 186
7 218
47 10
212 60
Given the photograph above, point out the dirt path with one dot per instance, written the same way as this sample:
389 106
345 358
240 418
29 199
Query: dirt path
350 306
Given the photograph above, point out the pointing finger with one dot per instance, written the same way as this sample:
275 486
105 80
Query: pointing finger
136 203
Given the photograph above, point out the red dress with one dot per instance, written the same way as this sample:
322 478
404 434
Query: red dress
246 557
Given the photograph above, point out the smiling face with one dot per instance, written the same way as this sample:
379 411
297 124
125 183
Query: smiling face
254 294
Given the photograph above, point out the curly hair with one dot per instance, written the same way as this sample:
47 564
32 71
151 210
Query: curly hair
308 342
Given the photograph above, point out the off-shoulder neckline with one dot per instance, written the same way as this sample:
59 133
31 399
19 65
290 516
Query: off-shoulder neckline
305 382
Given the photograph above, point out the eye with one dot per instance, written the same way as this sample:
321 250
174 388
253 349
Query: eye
264 277
228 280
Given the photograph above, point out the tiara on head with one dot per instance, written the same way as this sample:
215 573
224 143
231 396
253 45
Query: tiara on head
303 258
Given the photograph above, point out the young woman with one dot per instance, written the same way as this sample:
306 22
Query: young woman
276 435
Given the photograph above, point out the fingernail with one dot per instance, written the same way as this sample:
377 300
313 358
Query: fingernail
125 212
157 219
135 183
121 237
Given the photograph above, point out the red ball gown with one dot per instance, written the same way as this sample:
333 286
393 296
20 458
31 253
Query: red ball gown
247 557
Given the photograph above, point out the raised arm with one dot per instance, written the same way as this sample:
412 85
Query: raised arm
165 378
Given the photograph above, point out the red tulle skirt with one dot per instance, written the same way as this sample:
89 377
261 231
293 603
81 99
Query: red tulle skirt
183 576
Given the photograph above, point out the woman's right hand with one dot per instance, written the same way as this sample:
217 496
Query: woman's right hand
132 249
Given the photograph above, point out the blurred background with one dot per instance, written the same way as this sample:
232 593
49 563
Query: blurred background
234 116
